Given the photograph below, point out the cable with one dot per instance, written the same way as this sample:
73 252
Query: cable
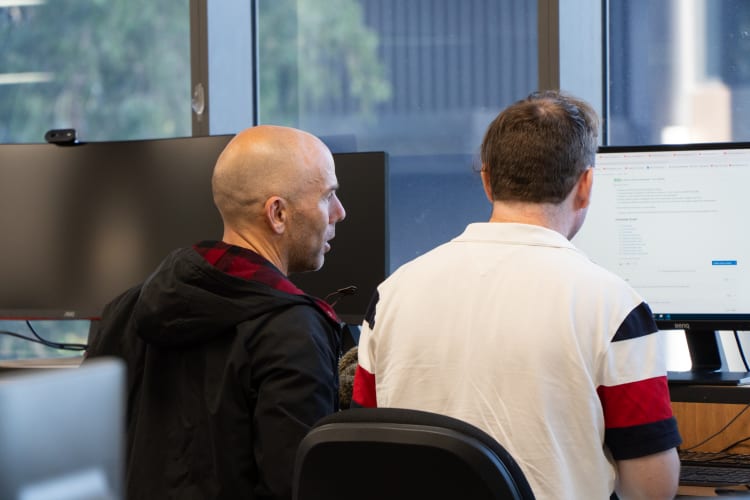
347 290
39 340
56 345
736 443
18 335
709 438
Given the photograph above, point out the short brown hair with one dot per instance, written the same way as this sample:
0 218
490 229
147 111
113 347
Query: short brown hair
536 149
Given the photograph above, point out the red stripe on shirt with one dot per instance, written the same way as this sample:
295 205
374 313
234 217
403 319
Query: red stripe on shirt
636 403
363 392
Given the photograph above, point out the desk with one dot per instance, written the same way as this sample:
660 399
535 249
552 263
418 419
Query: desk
698 494
702 411
730 394
11 365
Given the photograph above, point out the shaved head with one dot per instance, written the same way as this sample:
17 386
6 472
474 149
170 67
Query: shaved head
275 188
261 162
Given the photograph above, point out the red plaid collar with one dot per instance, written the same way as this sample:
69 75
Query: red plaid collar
246 264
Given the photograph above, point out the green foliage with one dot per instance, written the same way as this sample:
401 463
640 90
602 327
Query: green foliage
122 69
119 69
316 53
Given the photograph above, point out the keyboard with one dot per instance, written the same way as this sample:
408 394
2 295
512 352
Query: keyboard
714 469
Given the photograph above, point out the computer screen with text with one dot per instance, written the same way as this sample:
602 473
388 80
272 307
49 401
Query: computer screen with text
672 221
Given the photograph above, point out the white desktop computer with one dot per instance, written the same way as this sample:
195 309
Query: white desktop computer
62 433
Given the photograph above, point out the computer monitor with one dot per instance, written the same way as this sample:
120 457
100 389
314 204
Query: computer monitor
84 222
62 432
672 221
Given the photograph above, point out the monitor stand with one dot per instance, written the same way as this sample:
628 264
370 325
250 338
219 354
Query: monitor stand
709 365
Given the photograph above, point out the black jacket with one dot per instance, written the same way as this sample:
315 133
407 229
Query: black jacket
225 377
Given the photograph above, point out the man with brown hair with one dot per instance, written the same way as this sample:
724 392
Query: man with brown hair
511 328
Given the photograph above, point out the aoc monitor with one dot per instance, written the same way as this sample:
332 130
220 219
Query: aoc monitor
672 221
82 222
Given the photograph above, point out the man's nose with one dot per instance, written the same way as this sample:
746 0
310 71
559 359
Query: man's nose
339 212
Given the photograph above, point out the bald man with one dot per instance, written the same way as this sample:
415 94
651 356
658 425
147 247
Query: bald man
229 362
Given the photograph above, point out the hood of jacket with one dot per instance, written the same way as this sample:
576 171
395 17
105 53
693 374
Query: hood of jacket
186 301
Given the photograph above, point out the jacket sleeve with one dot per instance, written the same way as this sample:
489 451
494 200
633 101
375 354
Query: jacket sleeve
107 337
294 375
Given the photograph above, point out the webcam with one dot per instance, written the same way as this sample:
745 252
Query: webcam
61 136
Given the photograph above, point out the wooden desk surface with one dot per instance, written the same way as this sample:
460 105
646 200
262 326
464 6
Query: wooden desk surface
698 422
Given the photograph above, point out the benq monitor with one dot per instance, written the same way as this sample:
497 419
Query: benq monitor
672 221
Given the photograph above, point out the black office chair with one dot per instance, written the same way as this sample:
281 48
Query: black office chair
398 454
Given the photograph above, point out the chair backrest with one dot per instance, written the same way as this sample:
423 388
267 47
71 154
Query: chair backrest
394 454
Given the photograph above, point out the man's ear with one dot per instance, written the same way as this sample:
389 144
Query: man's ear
583 189
486 182
276 212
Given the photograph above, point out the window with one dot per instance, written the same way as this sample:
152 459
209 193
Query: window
678 71
110 70
420 79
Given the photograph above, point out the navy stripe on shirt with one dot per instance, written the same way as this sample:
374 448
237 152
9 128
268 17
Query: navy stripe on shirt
370 314
638 323
641 440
